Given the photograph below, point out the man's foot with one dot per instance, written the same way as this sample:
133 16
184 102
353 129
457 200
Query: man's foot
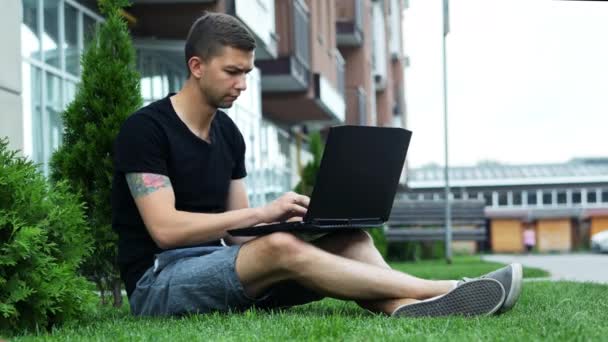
511 278
471 298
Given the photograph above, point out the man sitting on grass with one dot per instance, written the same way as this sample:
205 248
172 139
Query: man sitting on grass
179 186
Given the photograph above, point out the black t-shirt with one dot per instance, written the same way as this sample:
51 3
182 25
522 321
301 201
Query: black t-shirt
155 140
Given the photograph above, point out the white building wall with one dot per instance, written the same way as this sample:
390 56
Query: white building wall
11 118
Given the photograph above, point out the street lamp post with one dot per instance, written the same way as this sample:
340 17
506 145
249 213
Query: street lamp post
446 175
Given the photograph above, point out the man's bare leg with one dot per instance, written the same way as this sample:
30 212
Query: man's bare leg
280 256
360 246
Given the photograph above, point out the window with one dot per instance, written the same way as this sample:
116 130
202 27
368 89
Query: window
517 198
532 198
51 44
547 198
502 198
487 198
562 197
576 197
591 196
161 73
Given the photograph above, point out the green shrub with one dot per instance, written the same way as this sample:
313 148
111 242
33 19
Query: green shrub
108 94
43 238
416 250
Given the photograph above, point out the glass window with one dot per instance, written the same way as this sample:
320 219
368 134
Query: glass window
517 198
47 88
89 25
502 198
604 196
591 196
70 46
487 197
547 198
54 107
50 38
30 35
531 198
69 91
32 109
561 197
576 197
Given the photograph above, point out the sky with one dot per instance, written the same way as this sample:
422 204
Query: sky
527 81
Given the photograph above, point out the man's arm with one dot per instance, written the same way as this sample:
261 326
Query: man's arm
237 199
171 228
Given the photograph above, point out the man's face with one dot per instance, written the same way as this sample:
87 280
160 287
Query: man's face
223 77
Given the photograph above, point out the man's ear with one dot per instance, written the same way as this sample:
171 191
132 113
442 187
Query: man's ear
196 66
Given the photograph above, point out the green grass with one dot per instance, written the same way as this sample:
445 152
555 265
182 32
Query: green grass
545 311
463 266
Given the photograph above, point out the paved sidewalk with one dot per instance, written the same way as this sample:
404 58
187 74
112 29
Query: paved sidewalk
575 267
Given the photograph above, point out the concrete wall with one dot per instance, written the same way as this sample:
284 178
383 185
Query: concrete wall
11 117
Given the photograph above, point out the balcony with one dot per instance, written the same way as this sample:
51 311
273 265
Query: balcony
379 51
291 71
168 20
259 16
349 23
395 20
331 98
356 106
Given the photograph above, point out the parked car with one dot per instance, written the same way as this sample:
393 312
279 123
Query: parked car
599 242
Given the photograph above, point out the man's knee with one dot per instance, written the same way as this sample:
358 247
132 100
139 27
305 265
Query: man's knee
284 249
362 237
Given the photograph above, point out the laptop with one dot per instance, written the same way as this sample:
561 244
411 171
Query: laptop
355 185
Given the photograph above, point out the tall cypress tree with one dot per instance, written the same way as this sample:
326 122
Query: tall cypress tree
107 94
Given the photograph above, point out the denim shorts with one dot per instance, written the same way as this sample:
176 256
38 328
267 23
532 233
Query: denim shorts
202 280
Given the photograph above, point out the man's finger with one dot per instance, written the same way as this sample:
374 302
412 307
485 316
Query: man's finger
296 210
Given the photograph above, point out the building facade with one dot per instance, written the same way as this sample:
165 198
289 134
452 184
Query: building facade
318 63
565 204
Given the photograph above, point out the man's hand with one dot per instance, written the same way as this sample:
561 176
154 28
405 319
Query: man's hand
290 206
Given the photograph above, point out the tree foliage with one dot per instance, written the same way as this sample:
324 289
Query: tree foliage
108 93
43 239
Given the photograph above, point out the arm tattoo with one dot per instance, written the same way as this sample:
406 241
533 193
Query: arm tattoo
142 184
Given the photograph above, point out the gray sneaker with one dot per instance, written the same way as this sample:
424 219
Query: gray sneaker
472 298
511 278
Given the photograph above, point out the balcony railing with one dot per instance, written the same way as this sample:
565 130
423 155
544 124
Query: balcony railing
301 38
361 106
350 30
357 105
291 71
340 71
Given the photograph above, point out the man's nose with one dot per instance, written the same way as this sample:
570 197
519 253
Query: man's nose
241 84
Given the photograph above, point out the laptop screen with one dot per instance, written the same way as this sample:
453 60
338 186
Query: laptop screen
359 173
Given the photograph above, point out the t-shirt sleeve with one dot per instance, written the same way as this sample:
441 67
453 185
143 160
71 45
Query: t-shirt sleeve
239 171
141 146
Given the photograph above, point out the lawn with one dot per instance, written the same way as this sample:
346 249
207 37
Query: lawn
546 310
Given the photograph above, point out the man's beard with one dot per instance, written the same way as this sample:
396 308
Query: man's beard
218 101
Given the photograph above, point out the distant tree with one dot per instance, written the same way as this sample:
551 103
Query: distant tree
108 93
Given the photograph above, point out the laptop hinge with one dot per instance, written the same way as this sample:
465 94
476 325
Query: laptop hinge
348 221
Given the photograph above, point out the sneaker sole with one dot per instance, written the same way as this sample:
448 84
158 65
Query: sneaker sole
477 297
516 286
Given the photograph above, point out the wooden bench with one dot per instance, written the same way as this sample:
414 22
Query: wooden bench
424 220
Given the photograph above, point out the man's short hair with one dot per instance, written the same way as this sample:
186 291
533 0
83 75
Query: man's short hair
213 31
